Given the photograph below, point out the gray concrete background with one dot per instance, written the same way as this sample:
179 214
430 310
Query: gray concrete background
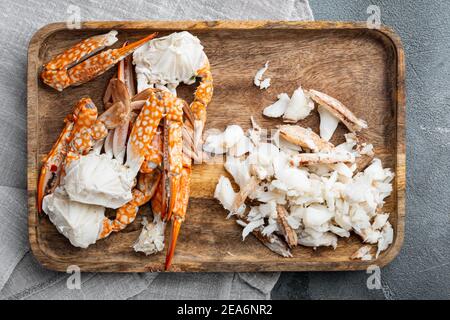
422 270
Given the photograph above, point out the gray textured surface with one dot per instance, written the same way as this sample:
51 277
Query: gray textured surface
422 270
21 277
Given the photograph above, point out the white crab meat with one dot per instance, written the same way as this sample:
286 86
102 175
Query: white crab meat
386 238
299 106
99 180
284 145
316 215
362 253
291 180
310 239
169 61
222 142
328 123
322 192
243 146
151 238
225 194
380 220
261 160
258 79
80 223
278 108
239 170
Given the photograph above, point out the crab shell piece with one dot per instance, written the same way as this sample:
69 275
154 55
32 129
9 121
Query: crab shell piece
339 110
305 138
322 158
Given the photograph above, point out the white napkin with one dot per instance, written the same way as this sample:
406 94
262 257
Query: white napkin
21 277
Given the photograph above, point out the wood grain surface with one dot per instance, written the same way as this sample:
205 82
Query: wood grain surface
363 68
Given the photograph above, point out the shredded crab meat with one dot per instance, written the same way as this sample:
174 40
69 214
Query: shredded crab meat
166 62
363 253
223 142
258 79
304 190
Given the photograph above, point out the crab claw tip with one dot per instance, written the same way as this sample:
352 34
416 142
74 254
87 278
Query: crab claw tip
176 225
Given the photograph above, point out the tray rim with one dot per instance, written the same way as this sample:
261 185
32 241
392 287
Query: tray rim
400 152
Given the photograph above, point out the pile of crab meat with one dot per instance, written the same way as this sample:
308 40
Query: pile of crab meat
294 187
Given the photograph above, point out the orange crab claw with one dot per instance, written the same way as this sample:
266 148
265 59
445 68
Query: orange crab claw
52 164
98 64
176 226
63 71
179 212
84 114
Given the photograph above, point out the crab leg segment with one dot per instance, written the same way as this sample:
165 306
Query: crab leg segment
52 163
179 211
144 129
202 97
86 131
144 191
71 140
62 72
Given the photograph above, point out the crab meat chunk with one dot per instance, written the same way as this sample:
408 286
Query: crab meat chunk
151 238
278 108
80 223
299 107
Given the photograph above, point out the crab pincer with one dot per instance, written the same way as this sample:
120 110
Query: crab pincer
78 64
83 117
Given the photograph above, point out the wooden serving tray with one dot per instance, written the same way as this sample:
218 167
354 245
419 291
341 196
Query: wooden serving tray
363 68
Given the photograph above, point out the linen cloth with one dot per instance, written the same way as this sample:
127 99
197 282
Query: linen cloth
21 276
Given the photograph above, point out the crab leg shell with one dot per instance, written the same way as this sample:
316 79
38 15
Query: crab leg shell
125 90
155 157
91 67
202 97
87 129
321 158
289 234
305 138
179 212
335 107
52 163
54 72
81 50
75 138
173 149
100 63
145 190
157 200
272 241
144 128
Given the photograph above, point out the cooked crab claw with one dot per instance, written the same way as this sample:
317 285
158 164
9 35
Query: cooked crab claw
179 211
66 70
52 163
82 116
